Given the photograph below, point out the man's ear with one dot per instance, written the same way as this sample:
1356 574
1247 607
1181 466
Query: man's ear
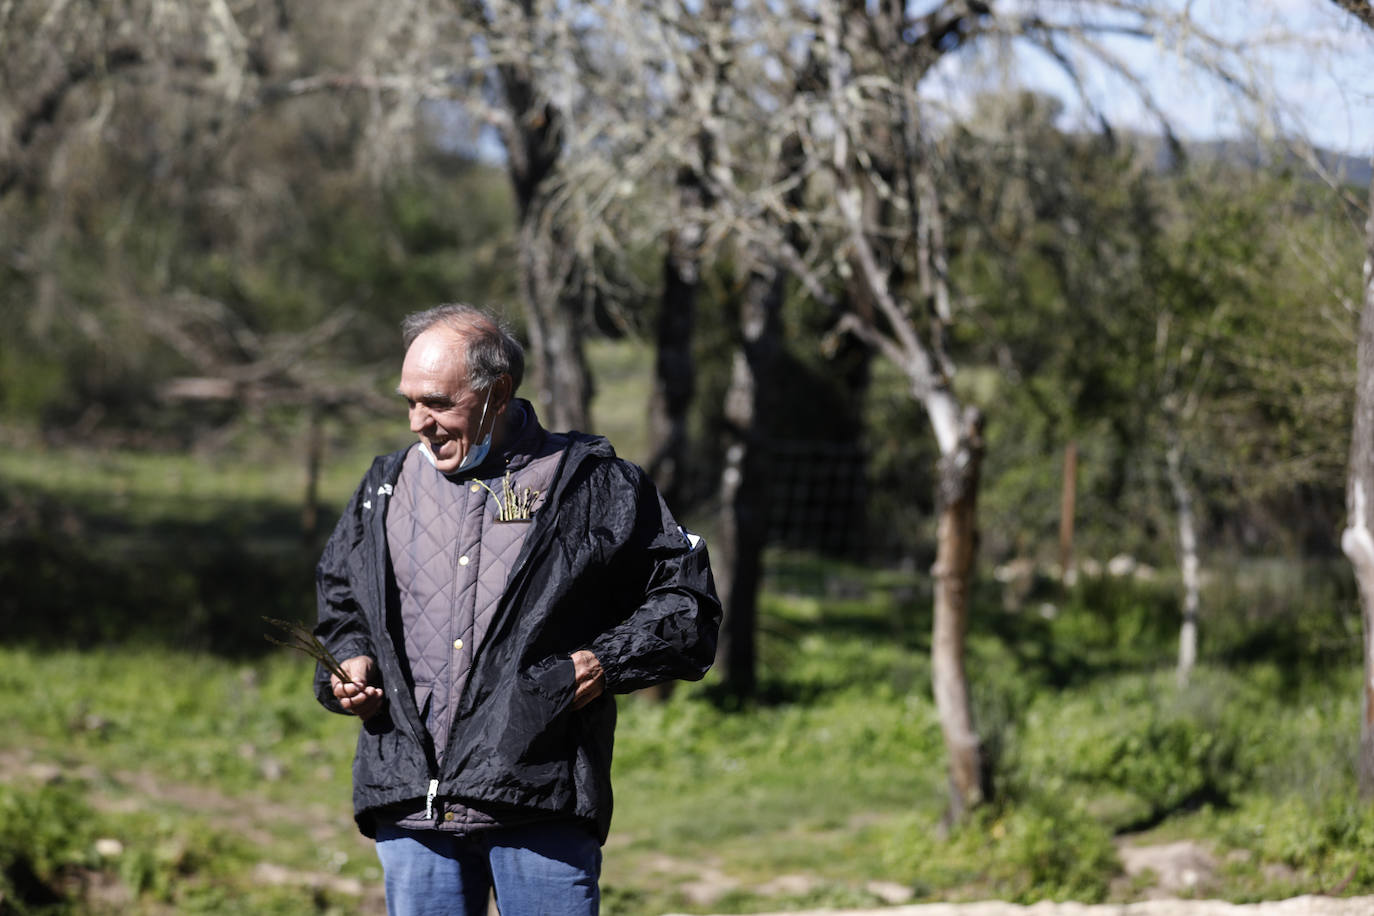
505 392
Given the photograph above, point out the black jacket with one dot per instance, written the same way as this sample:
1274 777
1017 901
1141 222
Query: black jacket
604 567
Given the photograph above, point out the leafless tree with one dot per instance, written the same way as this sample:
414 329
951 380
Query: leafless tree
1179 406
674 365
520 71
1360 9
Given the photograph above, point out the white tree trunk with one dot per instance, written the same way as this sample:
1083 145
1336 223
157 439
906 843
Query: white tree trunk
1357 540
1187 557
956 548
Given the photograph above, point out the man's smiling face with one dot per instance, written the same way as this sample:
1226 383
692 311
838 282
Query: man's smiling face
444 412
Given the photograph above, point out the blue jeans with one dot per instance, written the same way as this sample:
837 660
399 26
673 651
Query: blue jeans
548 869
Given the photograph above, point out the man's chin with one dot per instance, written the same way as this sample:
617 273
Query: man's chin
447 457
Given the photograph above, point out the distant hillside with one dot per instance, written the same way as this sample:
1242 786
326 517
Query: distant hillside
1355 170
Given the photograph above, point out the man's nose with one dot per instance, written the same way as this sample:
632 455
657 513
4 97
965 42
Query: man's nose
420 418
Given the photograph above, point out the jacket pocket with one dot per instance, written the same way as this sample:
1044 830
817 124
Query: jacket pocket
382 752
537 715
518 747
554 679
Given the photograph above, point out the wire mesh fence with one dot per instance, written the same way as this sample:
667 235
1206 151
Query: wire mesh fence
818 497
824 497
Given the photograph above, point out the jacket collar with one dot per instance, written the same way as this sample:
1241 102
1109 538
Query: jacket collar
525 437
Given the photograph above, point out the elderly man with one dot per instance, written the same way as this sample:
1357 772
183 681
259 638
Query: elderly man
487 589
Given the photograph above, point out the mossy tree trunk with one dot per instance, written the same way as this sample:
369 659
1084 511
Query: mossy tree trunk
743 524
533 136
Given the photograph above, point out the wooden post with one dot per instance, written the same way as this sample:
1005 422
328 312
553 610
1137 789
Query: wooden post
314 455
1066 513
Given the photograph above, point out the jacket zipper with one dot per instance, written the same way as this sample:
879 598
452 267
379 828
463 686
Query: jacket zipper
432 794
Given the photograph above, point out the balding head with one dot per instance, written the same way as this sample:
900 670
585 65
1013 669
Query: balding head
489 349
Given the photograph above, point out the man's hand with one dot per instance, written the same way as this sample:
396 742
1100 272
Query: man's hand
358 695
589 679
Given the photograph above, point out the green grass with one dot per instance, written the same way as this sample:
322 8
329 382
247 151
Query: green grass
622 367
146 708
838 777
200 768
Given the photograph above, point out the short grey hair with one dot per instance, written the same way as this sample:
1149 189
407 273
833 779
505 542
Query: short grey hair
492 350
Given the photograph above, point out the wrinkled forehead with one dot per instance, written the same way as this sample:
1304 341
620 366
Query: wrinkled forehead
436 356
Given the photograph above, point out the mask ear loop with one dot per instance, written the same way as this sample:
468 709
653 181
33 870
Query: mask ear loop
480 420
483 418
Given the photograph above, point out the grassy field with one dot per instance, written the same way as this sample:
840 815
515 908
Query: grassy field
160 757
160 780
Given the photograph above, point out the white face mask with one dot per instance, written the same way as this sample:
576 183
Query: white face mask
479 450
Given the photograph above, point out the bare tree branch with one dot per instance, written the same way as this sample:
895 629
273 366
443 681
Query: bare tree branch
1362 10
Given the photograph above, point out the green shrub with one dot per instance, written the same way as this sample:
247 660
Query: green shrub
1139 737
1050 850
1327 837
44 834
1036 849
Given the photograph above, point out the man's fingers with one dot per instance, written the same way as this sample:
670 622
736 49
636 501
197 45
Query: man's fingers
361 700
589 679
347 688
365 706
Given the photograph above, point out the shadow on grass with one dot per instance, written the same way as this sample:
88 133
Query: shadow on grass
876 625
1205 797
74 578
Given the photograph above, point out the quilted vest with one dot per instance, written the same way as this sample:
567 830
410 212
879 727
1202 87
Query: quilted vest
452 556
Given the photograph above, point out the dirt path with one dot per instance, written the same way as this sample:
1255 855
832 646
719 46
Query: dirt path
126 791
1176 869
1297 906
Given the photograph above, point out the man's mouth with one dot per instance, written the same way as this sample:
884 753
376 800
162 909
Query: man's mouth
438 446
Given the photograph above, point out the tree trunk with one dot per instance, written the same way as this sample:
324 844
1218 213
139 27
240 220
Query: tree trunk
533 139
674 380
563 385
553 313
1357 540
956 547
674 368
743 486
1187 558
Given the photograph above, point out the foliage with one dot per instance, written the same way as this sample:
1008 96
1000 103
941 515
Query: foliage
1167 323
132 292
1022 851
44 833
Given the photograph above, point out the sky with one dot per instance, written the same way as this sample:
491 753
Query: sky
1315 61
